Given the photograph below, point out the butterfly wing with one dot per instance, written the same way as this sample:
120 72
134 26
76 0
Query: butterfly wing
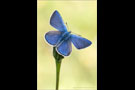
80 42
65 48
52 37
57 22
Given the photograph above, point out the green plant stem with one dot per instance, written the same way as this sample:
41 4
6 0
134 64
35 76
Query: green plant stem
58 60
58 64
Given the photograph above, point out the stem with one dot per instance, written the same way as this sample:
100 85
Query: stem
58 60
58 64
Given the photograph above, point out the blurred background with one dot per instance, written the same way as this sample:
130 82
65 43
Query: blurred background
79 70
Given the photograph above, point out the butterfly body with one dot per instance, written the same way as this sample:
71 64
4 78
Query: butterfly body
62 38
65 36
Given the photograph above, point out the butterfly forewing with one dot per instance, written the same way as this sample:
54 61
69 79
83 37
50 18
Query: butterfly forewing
80 42
52 37
65 48
57 22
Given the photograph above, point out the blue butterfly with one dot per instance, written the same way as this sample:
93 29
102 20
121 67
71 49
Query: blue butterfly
62 38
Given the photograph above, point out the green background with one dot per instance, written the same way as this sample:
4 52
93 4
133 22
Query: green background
79 70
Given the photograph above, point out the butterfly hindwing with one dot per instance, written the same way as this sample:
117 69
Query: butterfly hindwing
65 48
52 37
80 42
57 22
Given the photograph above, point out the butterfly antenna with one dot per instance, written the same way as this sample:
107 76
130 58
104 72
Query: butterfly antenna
67 26
76 34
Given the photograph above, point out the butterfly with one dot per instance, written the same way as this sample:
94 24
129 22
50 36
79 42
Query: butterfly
62 38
